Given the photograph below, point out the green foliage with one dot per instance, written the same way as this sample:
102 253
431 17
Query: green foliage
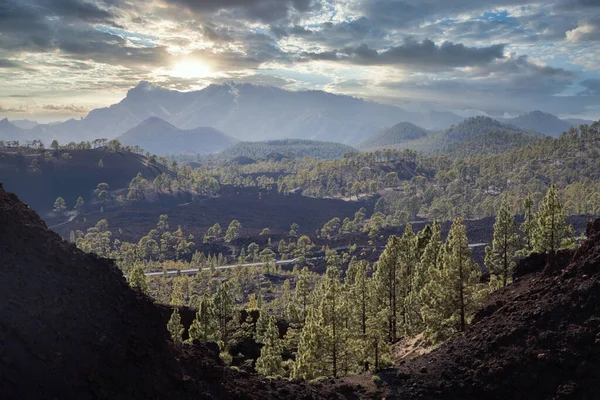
500 258
137 278
454 291
233 231
270 362
138 188
60 205
551 227
80 203
175 327
288 148
205 326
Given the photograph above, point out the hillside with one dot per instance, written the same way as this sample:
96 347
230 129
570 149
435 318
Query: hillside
11 132
161 138
494 142
70 327
535 339
289 148
475 129
542 122
397 134
69 174
244 111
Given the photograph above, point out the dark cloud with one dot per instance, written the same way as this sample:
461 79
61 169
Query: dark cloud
9 64
216 35
411 53
257 10
592 87
511 85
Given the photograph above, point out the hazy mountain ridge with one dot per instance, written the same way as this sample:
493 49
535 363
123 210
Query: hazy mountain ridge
246 112
472 131
159 137
545 123
399 133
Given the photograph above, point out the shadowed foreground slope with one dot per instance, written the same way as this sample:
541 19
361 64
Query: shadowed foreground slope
70 327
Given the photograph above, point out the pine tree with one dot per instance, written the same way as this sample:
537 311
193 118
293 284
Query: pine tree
309 360
386 275
205 326
79 205
261 326
454 292
60 205
137 278
551 227
333 307
224 309
233 231
378 349
358 297
428 261
270 362
528 225
407 260
500 257
175 327
302 294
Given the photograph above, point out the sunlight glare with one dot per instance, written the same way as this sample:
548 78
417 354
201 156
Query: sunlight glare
190 69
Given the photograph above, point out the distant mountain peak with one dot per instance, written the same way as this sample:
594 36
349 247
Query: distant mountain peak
142 89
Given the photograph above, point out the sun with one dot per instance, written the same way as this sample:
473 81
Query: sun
190 69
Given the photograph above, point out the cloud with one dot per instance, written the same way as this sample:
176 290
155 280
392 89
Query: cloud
587 31
425 54
66 108
14 109
9 64
592 87
256 10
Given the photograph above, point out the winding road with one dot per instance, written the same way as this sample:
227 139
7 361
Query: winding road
194 271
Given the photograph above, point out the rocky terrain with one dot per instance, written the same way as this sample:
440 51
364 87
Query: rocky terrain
536 339
70 327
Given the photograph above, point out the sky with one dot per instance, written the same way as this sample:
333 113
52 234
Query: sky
61 58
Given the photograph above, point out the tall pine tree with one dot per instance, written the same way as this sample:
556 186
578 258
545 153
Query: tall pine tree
454 292
270 362
386 276
500 258
175 327
205 326
551 226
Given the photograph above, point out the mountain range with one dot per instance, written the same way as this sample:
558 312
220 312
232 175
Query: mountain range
470 134
159 137
249 112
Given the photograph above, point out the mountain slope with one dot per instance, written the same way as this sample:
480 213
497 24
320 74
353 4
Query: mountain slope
397 134
70 174
11 132
542 122
535 339
475 129
494 142
246 112
161 138
71 328
291 148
